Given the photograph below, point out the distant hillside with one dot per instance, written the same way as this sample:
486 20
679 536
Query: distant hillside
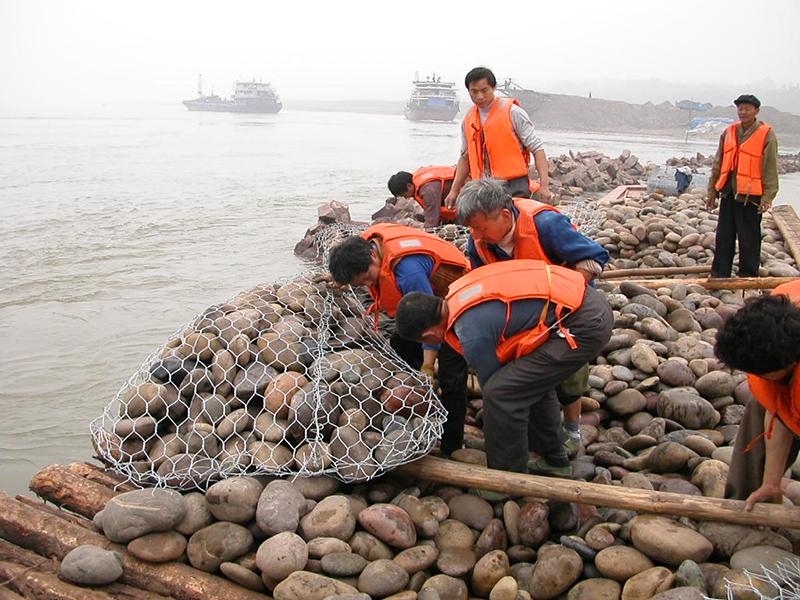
560 111
578 113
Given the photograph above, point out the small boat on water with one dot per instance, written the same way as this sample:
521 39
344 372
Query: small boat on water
432 100
248 97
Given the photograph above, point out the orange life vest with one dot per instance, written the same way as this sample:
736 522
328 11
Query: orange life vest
513 280
526 235
746 159
778 398
397 241
442 174
496 137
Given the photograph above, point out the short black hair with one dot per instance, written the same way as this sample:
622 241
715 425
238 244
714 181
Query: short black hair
479 73
761 337
416 312
398 183
350 258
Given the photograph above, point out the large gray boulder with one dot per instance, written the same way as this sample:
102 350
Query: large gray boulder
137 513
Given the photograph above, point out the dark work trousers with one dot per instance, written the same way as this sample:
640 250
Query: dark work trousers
518 187
742 221
521 410
747 468
452 379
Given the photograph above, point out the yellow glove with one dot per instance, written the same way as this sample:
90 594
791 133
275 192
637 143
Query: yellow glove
428 370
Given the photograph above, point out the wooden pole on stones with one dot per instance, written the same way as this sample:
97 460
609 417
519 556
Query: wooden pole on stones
50 535
789 227
719 283
582 492
654 271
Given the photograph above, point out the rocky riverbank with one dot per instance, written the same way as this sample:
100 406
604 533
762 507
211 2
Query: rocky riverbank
661 414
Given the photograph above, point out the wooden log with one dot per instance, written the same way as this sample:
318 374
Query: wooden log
788 225
14 554
7 594
719 283
58 512
581 492
32 583
73 492
654 271
49 535
102 476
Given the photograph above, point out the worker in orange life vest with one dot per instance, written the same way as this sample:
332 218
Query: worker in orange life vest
744 176
497 140
428 186
505 228
504 318
393 260
761 339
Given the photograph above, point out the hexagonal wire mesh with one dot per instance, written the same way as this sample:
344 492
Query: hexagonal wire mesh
284 379
585 215
779 582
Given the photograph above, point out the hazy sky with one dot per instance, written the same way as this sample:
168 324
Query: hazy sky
57 54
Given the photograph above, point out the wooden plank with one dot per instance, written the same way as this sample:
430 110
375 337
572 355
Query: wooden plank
788 224
582 492
720 283
621 191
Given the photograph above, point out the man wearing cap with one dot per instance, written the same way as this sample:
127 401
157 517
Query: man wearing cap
744 177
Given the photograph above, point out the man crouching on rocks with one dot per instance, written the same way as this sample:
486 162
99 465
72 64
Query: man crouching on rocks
393 260
506 228
524 326
761 339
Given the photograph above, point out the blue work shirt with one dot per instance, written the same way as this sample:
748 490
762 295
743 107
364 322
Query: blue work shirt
480 328
560 242
413 274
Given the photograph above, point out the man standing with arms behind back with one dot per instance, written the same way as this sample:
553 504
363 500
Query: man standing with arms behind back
745 178
497 140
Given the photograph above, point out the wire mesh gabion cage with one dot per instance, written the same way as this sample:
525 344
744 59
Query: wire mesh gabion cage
285 379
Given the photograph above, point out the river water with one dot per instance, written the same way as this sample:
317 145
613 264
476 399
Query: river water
117 229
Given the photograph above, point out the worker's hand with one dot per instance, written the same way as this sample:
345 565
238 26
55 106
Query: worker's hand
711 201
450 199
428 369
764 206
545 195
766 493
586 274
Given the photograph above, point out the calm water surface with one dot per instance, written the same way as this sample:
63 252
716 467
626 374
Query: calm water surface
115 231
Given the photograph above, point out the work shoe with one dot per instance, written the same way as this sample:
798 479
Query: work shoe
540 466
475 444
572 444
